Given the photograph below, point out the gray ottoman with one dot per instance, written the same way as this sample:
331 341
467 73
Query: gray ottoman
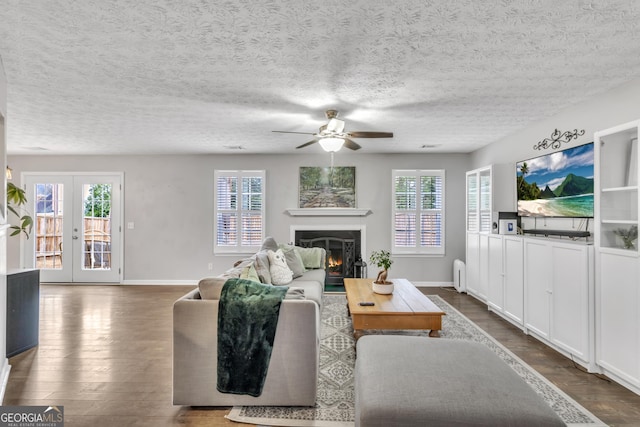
418 381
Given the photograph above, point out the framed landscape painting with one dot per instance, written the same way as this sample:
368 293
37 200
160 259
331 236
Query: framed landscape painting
327 187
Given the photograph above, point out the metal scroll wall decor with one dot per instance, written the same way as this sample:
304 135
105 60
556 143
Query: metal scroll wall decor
557 138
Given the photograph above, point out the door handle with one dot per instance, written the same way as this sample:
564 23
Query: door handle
75 237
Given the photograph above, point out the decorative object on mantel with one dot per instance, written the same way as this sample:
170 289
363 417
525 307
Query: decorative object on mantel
628 236
557 138
383 260
327 187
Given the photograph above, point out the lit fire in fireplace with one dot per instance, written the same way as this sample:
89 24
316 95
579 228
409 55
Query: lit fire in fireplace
335 265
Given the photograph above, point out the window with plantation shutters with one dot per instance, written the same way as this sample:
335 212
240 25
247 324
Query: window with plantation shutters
239 211
418 212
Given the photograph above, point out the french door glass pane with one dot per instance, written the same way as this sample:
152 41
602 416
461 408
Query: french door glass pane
96 252
49 220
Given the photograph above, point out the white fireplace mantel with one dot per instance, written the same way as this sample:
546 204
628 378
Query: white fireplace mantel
328 212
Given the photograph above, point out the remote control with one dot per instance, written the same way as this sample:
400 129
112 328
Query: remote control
366 303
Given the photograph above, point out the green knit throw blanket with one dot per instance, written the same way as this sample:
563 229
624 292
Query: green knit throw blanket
247 321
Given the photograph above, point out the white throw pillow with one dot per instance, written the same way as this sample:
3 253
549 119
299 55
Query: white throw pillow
281 274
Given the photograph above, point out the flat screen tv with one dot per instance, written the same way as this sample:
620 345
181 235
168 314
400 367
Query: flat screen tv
557 184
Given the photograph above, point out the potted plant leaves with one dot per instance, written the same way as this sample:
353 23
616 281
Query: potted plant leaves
383 260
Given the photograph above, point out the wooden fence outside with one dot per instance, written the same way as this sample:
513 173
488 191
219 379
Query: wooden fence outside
49 238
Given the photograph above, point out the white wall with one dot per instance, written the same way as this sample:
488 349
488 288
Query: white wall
170 201
601 112
4 365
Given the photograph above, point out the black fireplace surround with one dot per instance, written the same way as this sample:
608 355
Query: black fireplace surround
343 252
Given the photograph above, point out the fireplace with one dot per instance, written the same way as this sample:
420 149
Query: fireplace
344 248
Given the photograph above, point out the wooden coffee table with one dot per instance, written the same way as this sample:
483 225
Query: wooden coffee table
405 308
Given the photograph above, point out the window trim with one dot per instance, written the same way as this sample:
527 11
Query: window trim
239 174
417 250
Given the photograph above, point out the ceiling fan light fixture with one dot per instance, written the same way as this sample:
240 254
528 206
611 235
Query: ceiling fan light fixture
331 144
335 125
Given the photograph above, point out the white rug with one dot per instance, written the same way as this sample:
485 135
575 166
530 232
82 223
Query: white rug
335 401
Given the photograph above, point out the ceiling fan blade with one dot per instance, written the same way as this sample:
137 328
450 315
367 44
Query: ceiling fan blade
301 133
313 141
352 145
358 134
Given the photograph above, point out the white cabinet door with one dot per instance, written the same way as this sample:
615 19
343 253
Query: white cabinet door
538 286
495 291
483 267
618 342
513 279
473 263
570 303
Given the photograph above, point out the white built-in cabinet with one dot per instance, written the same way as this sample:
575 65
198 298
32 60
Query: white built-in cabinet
495 274
478 226
543 286
558 297
617 266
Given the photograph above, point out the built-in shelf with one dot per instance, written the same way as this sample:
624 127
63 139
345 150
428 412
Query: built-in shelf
328 212
614 189
620 221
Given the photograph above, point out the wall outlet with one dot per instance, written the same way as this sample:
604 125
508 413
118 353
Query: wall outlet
210 266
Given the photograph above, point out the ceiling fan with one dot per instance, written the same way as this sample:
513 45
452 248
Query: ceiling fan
332 136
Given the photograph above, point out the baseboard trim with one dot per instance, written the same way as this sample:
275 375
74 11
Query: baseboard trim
6 369
161 282
195 283
433 284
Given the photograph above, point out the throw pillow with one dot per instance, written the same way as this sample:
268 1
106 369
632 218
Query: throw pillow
280 272
269 244
311 257
250 273
262 267
237 268
293 262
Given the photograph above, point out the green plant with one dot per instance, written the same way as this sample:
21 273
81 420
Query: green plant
383 260
98 202
628 236
15 199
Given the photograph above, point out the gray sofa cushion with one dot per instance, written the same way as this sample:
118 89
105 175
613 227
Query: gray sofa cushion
311 290
418 381
211 287
316 275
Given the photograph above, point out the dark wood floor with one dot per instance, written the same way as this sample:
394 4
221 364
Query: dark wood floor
105 354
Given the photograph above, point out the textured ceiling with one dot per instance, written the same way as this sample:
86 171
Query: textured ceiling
189 76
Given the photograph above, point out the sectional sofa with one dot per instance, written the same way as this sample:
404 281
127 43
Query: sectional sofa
293 370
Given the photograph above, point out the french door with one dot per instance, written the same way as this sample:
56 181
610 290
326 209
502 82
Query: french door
76 235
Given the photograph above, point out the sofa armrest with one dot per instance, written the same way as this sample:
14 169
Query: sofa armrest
293 370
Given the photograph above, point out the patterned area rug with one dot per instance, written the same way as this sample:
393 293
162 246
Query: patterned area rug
335 401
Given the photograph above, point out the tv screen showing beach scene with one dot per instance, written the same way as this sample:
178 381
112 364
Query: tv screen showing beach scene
558 184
